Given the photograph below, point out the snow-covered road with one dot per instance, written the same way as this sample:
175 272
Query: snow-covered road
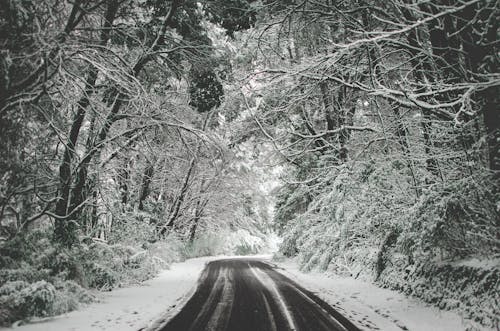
249 295
157 301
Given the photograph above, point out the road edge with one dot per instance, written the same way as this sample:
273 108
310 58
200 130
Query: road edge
172 310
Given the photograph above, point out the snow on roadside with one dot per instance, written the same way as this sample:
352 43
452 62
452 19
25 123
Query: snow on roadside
374 308
129 308
368 306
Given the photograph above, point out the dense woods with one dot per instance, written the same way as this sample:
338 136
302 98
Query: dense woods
115 157
386 114
137 133
386 117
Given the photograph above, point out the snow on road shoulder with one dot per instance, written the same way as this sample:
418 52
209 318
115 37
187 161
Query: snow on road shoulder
129 308
374 308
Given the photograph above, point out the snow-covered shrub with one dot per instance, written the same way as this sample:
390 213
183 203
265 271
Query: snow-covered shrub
108 266
470 286
124 251
23 249
6 315
245 249
278 257
12 287
454 219
101 277
6 261
23 273
63 263
171 249
38 298
34 277
20 300
242 242
25 300
140 265
104 264
144 267
132 228
137 259
207 244
70 296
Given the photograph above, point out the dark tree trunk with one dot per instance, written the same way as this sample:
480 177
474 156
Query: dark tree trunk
422 71
402 134
491 114
63 233
174 211
337 115
146 182
65 226
120 99
195 222
201 203
94 216
122 177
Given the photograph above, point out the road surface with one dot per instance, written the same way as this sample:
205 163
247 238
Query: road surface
241 295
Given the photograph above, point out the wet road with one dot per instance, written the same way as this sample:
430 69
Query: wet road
241 295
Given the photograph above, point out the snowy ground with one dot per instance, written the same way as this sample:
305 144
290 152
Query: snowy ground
129 308
374 308
134 308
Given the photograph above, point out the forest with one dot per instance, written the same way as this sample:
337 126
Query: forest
133 134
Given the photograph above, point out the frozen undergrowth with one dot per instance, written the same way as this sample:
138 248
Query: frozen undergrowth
128 309
366 225
240 242
472 289
468 287
53 280
372 307
60 281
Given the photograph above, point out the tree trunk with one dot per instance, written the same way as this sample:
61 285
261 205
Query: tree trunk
122 177
381 262
402 134
174 211
120 99
491 115
65 226
146 182
196 220
422 71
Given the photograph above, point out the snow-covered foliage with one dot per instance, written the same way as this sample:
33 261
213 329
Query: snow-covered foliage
240 242
20 299
385 155
364 223
472 290
455 219
40 279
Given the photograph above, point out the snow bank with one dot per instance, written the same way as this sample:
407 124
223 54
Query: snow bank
375 308
129 308
470 287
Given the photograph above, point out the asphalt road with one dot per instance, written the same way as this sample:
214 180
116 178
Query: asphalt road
240 295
